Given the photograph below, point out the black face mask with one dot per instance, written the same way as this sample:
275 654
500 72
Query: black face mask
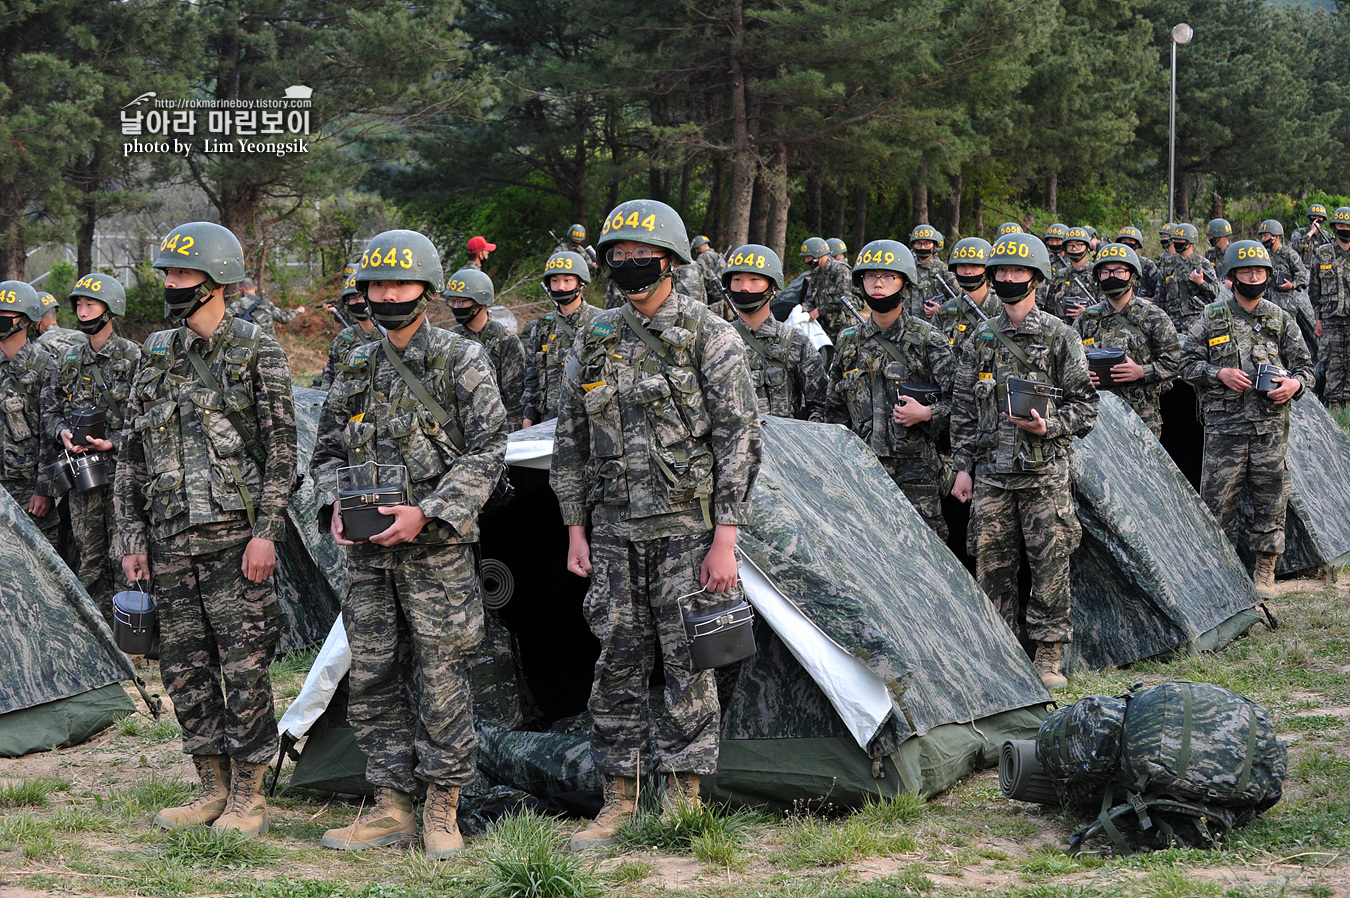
1251 291
561 297
748 302
1055 248
358 311
465 315
1076 256
11 325
1179 246
1343 235
1268 244
970 282
632 278
184 302
1012 292
923 255
94 325
1115 288
886 303
397 315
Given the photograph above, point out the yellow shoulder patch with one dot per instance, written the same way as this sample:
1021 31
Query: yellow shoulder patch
1215 341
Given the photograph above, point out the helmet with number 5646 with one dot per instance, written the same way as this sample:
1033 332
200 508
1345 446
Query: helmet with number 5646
885 255
646 221
401 255
754 259
105 288
1025 250
203 246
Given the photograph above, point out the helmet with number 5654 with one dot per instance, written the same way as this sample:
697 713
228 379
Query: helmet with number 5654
885 255
754 259
1025 250
203 246
970 251
646 221
401 255
1246 254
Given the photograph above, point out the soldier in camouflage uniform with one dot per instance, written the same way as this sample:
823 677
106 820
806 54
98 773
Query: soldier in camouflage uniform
1054 244
1124 321
96 373
1305 241
1330 295
51 336
828 288
657 448
1246 434
1219 233
876 362
961 319
1017 469
24 367
351 337
935 284
548 339
426 399
1073 289
576 243
470 294
258 308
710 264
204 475
838 249
1165 241
1148 285
1189 281
786 370
1289 283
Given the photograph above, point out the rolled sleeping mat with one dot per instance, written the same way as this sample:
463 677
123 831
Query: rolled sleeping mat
1020 775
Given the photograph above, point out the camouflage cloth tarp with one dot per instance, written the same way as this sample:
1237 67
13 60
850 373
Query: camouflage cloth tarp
1317 525
1154 574
57 656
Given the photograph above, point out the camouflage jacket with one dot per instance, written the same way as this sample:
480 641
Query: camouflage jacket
1329 288
1146 334
585 251
689 281
711 263
57 340
21 381
1215 257
345 343
1287 262
548 343
912 303
826 291
508 365
1306 246
183 464
1181 299
865 381
372 415
935 281
654 444
89 378
959 321
982 436
1071 285
1149 283
262 312
1223 337
786 370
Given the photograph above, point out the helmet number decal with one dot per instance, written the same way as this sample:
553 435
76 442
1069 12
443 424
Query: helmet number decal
374 258
89 282
748 260
1253 252
456 287
559 262
634 221
1112 251
870 257
968 252
9 297
1012 248
170 244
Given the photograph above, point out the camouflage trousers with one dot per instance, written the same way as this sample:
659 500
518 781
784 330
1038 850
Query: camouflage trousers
98 561
921 485
496 677
640 592
218 636
412 623
49 523
1336 351
1257 465
1042 518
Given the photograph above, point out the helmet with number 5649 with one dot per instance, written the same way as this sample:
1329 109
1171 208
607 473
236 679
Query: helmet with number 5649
401 255
646 221
1025 250
754 259
885 255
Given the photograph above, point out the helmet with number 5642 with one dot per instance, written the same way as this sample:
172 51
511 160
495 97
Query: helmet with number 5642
401 255
646 221
754 259
203 246
1025 250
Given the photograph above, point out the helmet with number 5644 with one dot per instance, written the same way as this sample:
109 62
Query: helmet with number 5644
401 255
754 259
646 221
885 255
1025 250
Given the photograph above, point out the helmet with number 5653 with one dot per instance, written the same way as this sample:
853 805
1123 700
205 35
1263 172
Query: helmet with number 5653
567 263
1246 254
885 255
401 255
203 246
1025 250
646 221
754 259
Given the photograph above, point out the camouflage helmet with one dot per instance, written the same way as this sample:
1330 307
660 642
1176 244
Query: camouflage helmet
1057 229
1078 233
697 242
401 255
1245 254
471 283
351 266
1118 252
970 251
925 232
1317 209
886 255
1131 233
1186 232
105 288
567 263
1009 227
1341 216
1272 227
837 246
1091 231
646 221
19 296
49 303
814 248
754 259
1219 227
349 287
1165 231
577 233
1026 250
203 246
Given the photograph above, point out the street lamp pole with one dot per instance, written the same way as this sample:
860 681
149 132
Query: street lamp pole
1181 34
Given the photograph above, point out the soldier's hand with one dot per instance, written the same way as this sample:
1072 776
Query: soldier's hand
910 411
526 423
260 559
1234 379
335 527
136 567
1092 375
1126 371
38 506
930 307
964 487
578 551
299 310
100 445
1035 424
1197 276
718 573
1288 386
1317 328
408 522
813 314
72 447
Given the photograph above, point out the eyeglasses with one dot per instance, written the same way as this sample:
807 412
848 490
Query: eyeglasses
1114 272
1250 275
880 277
642 255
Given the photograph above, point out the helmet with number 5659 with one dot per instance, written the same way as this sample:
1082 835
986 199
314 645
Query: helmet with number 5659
646 221
1026 250
885 255
203 246
754 259
401 255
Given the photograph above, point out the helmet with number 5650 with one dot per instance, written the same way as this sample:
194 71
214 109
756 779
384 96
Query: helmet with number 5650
203 246
401 255
885 255
646 221
754 259
1026 250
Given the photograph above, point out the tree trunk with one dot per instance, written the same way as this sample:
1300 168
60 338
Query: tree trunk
814 187
759 209
840 206
859 214
954 214
683 187
775 236
84 235
743 161
921 196
1183 198
712 219
1052 191
979 214
1216 205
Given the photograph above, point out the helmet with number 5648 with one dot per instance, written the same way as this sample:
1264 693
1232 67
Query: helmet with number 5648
754 259
646 221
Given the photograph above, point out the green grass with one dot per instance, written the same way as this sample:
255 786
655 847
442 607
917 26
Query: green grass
203 847
31 793
526 856
812 842
709 832
145 798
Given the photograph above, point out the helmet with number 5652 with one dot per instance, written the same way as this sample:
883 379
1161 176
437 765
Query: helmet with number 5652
471 283
203 246
754 259
646 221
885 255
1026 250
401 255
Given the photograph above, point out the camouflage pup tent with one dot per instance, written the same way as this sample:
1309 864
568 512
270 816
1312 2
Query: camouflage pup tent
881 667
1317 527
60 672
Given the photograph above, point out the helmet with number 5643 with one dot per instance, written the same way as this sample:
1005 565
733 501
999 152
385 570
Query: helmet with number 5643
401 255
203 246
885 255
754 259
646 221
1025 250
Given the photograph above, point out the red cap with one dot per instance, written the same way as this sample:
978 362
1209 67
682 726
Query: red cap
478 244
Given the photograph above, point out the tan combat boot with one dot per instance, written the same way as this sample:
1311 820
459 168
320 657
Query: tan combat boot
620 803
681 792
1048 665
440 825
246 811
390 820
1264 575
214 772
